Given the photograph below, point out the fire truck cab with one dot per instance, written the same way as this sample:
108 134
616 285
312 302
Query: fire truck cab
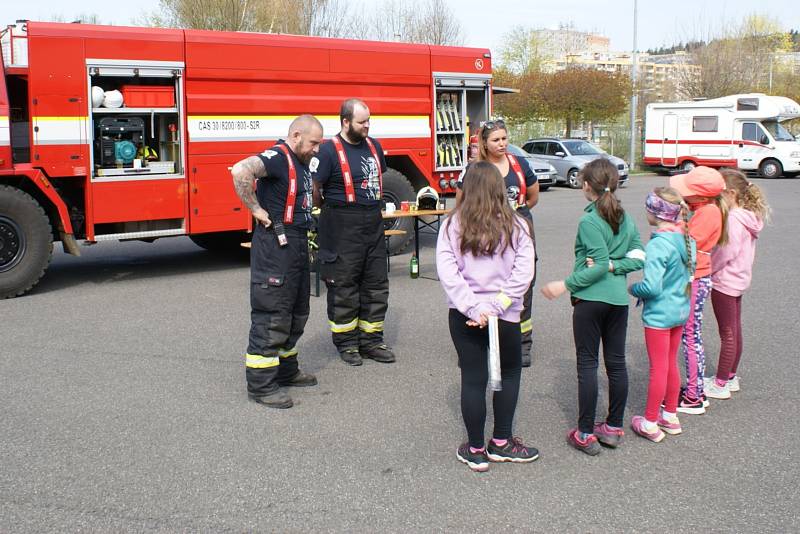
120 133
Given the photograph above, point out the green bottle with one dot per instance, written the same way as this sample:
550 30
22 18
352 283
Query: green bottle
414 266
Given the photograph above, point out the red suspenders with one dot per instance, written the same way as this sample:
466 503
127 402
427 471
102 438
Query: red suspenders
291 195
347 176
523 189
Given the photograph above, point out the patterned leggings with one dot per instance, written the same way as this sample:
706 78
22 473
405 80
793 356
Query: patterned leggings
692 340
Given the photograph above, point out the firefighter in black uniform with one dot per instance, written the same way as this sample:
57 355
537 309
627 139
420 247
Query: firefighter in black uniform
279 265
352 252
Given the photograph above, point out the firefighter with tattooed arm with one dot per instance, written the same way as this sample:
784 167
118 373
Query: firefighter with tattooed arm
281 203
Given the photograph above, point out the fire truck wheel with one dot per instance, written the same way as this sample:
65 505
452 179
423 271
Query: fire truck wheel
26 242
397 188
770 168
227 243
688 165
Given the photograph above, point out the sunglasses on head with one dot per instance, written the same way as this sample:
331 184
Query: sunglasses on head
491 125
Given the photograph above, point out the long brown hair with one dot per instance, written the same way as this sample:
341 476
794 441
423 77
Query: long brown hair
748 195
602 177
487 220
483 137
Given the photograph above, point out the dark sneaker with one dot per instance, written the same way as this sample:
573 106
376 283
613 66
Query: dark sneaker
608 436
690 405
380 353
351 357
300 380
589 445
477 461
279 400
512 451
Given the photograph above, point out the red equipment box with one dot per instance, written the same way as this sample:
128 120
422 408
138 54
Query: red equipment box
143 96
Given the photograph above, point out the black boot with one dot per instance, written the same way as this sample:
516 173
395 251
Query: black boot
299 380
380 353
351 356
279 400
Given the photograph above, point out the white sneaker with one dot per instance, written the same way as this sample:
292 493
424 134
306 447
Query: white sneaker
711 389
733 384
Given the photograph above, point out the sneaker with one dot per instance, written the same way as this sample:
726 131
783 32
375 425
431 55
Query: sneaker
637 424
477 461
715 391
279 400
526 360
671 426
380 353
733 384
608 436
691 406
589 445
512 451
706 404
299 380
351 357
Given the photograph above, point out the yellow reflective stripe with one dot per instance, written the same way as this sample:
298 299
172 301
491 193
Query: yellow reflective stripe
370 328
287 353
525 326
346 327
254 361
504 300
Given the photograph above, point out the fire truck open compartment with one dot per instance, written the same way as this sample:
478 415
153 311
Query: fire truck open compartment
461 105
142 138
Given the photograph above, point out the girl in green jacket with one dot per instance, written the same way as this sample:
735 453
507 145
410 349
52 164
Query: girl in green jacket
607 248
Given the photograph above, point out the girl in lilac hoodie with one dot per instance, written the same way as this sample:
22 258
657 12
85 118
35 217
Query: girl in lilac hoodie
731 271
484 258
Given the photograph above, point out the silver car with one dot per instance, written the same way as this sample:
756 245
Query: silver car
569 156
545 173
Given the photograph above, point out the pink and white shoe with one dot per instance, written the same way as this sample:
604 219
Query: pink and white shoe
671 426
637 424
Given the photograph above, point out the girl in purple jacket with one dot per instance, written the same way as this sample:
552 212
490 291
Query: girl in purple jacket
484 258
731 271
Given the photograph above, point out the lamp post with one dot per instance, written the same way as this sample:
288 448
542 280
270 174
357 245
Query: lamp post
634 99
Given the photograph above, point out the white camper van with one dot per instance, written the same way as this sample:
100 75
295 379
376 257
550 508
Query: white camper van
742 131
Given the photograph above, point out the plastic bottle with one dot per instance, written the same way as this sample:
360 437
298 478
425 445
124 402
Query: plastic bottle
414 266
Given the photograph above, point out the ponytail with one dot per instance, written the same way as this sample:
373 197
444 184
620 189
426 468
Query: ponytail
690 262
602 176
724 208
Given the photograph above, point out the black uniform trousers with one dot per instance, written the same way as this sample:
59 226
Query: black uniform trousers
525 323
279 302
352 255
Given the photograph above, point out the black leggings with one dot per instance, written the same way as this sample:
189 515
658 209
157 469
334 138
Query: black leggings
591 323
472 344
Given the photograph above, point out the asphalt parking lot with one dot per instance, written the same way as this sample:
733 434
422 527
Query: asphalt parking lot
124 408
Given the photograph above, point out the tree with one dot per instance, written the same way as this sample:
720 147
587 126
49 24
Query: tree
430 23
521 50
523 106
578 94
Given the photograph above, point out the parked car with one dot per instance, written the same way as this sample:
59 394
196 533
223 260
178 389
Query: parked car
569 156
545 173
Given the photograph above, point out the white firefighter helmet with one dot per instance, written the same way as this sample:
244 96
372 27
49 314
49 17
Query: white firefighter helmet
427 199
97 96
112 99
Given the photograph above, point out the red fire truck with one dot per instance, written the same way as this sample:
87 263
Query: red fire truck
115 133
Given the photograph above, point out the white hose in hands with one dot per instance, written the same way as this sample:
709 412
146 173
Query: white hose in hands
495 380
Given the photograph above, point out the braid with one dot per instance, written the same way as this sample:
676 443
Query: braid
687 239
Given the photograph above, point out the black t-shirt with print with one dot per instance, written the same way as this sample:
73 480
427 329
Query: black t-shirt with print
363 168
512 183
272 190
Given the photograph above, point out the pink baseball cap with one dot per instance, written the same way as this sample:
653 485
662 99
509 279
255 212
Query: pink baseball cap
700 181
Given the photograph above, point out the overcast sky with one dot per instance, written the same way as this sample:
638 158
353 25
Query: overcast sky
485 21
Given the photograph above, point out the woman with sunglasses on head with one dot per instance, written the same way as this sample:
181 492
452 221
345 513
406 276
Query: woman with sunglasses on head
522 190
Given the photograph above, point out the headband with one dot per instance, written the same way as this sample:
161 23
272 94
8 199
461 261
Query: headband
661 209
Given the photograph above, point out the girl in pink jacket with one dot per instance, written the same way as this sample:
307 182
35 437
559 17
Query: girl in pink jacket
731 271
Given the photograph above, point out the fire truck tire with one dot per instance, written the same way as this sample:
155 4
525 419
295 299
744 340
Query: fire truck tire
397 188
770 168
26 242
223 243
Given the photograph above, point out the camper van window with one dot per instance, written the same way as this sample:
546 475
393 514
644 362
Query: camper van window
752 132
778 132
747 104
705 124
